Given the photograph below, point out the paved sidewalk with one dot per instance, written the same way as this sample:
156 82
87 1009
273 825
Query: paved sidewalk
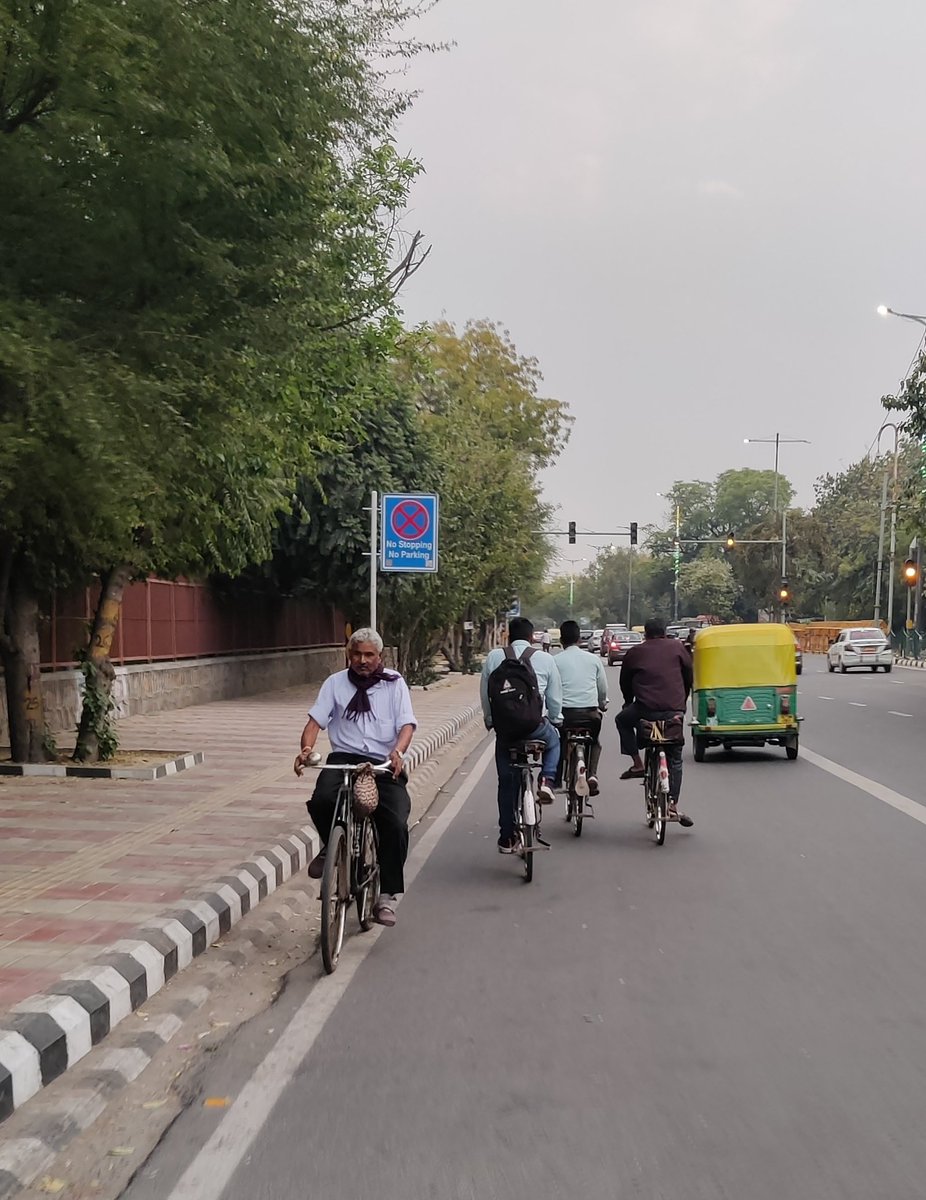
86 863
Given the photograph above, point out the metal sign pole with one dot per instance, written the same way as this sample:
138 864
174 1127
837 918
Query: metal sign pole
374 500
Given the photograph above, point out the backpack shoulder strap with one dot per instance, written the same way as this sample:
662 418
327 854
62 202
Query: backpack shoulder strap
509 652
528 653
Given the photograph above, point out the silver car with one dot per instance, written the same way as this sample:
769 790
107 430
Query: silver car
867 648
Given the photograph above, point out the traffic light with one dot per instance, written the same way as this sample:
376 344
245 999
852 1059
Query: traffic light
784 592
911 573
633 533
731 540
572 533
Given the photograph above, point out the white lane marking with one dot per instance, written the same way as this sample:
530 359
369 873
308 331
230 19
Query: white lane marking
891 713
857 704
210 1172
824 697
880 792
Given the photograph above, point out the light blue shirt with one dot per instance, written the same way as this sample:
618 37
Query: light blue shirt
374 733
548 680
585 684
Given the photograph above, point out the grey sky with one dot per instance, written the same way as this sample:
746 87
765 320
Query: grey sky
688 210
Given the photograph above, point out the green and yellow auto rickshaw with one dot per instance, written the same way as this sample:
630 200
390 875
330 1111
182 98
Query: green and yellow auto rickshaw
745 688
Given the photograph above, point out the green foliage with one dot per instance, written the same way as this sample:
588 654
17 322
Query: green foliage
199 212
456 414
708 586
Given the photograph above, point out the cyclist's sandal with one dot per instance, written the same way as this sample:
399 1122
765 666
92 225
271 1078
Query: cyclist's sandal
384 914
634 773
683 818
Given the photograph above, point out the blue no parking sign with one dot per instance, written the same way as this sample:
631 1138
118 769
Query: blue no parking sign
409 533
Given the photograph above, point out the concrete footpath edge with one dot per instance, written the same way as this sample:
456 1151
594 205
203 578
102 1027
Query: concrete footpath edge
45 1034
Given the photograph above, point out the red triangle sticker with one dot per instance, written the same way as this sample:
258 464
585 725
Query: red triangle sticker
748 705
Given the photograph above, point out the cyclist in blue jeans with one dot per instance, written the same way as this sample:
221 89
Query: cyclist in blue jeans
520 635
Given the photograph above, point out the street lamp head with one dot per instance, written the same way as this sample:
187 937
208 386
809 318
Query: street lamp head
883 310
746 441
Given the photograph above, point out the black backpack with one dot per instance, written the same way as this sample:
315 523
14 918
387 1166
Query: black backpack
514 696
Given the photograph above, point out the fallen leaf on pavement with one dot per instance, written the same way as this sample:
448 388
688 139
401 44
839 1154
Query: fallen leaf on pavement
121 1151
154 1103
51 1186
217 1102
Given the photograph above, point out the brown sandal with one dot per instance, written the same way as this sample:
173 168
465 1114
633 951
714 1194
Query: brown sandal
634 773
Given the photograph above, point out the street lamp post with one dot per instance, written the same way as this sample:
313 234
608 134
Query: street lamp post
778 441
572 580
677 556
893 544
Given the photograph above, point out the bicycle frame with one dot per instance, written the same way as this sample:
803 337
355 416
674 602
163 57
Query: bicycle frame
351 864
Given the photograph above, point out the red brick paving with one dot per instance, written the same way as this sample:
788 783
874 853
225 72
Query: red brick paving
71 882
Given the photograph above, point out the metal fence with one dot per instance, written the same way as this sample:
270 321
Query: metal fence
163 620
909 643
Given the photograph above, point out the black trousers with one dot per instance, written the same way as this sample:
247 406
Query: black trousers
581 718
390 817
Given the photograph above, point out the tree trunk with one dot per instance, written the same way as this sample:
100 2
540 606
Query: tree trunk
19 648
99 670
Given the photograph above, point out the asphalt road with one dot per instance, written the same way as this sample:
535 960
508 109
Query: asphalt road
738 1014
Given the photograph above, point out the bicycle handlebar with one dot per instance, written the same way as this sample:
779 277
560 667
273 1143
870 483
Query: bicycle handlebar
377 768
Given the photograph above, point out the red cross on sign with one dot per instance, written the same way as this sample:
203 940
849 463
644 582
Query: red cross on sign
410 520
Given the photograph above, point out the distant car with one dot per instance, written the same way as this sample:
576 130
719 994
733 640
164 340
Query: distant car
594 642
584 635
677 631
798 657
860 648
619 643
614 627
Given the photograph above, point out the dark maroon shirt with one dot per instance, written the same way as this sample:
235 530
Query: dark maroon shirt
657 674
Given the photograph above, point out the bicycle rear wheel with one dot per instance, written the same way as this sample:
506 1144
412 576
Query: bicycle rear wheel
335 898
649 795
367 875
660 799
576 799
527 843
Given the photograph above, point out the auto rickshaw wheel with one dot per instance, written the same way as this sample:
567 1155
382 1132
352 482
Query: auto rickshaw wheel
697 744
791 749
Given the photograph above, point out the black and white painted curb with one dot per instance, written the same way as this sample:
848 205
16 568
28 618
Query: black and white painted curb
910 662
46 1034
44 1128
182 762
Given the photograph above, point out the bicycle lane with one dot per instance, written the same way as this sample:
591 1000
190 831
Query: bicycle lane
735 1013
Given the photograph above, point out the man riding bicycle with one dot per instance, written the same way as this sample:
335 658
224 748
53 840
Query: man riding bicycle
656 679
585 696
546 680
367 712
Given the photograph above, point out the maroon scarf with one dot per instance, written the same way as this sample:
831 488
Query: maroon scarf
360 704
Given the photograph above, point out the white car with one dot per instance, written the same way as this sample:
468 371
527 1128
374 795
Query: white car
594 642
860 648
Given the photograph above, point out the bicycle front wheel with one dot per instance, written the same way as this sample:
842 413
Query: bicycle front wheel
335 898
367 876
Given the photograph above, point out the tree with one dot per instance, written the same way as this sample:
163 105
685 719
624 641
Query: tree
199 212
708 586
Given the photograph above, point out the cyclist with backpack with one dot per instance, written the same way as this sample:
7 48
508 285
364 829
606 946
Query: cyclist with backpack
518 683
